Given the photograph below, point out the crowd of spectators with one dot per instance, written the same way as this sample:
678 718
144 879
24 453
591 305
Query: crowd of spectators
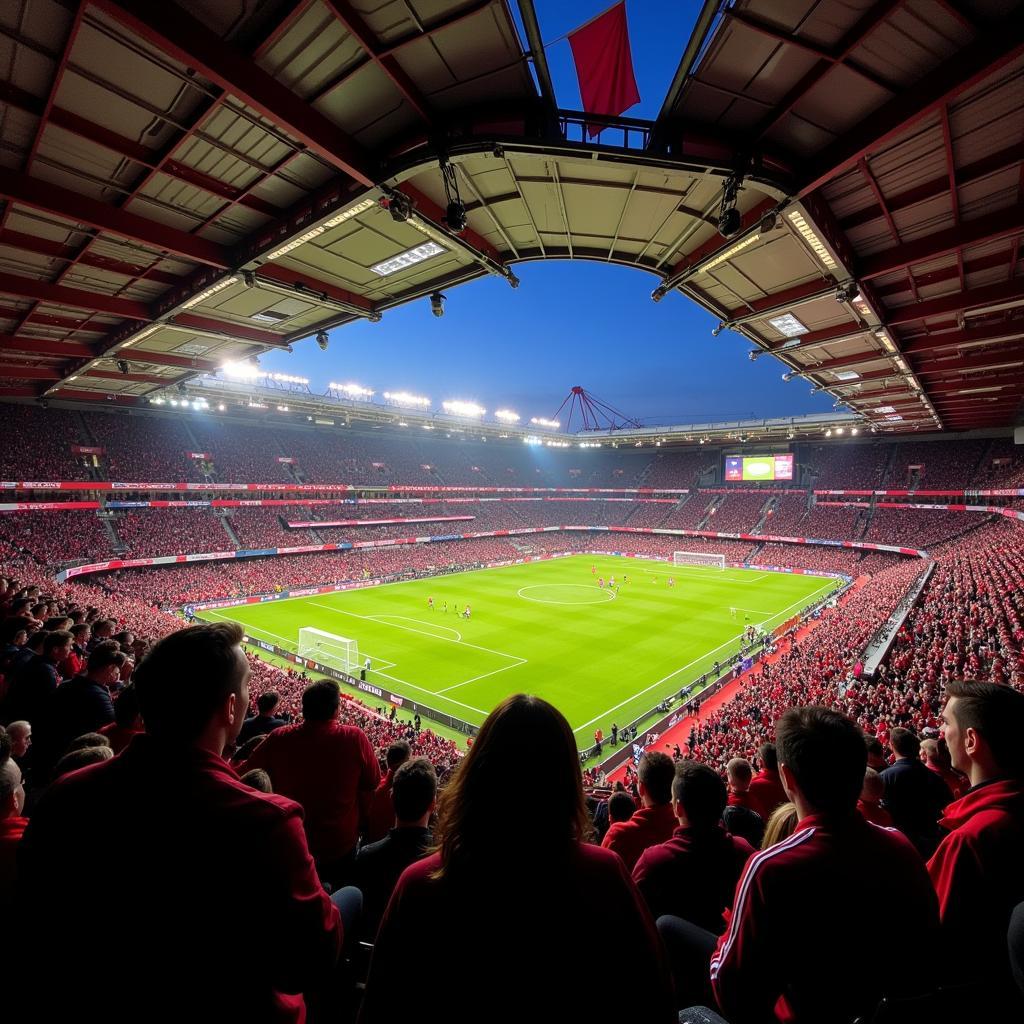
55 537
919 528
739 513
49 435
170 531
951 467
143 448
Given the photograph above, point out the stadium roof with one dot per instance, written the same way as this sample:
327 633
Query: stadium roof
184 184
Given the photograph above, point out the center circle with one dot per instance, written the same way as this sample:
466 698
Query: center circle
566 593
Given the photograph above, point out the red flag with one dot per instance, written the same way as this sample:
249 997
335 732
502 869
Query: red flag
604 64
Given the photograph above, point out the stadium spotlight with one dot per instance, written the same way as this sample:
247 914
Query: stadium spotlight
437 303
787 377
855 431
729 223
828 433
455 216
322 340
122 365
839 430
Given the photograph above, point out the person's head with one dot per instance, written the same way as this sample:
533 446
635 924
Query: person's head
873 788
257 778
473 807
656 772
876 752
20 733
904 743
320 701
103 629
12 790
414 790
82 632
104 664
983 726
397 754
739 773
6 745
266 703
935 754
193 686
698 795
822 757
58 623
620 807
36 641
87 739
81 758
769 757
781 825
57 646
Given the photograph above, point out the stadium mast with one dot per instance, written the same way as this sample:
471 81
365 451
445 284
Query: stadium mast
592 412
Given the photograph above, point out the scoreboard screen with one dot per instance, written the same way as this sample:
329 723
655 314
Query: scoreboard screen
757 468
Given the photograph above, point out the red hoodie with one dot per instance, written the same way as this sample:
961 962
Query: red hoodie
766 793
977 874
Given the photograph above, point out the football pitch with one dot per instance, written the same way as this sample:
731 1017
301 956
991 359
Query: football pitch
547 628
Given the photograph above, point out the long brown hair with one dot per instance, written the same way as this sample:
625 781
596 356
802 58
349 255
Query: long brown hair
518 787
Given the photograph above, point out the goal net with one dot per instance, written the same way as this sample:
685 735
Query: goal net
698 558
329 649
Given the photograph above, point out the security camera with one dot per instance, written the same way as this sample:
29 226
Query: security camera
729 222
122 365
399 206
322 340
847 291
455 216
437 304
768 222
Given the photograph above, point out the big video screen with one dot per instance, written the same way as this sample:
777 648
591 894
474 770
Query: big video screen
758 467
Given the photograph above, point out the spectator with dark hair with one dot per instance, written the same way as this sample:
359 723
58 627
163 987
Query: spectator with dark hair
914 796
81 757
127 719
74 663
700 848
102 629
870 801
381 815
12 827
328 768
542 885
876 754
794 947
78 706
185 832
976 869
379 865
765 792
620 807
258 779
35 681
264 720
653 822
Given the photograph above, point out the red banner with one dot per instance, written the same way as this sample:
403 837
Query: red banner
83 449
200 455
285 458
314 524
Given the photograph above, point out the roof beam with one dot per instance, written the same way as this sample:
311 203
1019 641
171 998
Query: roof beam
972 64
185 38
43 347
20 391
780 302
537 55
704 24
829 365
19 371
356 27
193 363
46 320
989 228
955 302
80 209
60 295
135 378
990 334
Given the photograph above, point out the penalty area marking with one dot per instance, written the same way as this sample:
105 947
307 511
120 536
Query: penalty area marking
607 595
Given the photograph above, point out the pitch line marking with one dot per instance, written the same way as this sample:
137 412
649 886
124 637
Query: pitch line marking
707 654
581 586
484 675
694 572
448 629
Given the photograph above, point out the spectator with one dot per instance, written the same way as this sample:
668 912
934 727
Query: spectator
81 757
178 824
795 943
381 816
20 733
620 807
264 720
259 780
127 720
12 827
524 941
765 792
870 801
935 755
75 661
78 706
781 825
328 768
976 869
914 796
35 681
700 848
739 775
745 823
378 865
654 821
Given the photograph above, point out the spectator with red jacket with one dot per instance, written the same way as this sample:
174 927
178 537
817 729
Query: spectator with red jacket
653 822
169 821
381 817
508 918
794 948
977 868
329 769
766 792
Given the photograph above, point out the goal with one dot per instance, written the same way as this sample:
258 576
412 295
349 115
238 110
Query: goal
698 558
338 652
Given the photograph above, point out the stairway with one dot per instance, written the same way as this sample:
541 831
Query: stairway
229 529
715 504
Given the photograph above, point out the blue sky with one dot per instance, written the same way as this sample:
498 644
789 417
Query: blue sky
568 323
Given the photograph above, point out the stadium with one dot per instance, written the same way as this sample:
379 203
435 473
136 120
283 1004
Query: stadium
349 675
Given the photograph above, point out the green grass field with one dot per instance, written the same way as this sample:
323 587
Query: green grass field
545 628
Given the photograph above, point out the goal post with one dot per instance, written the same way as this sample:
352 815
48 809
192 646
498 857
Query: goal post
698 558
329 649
